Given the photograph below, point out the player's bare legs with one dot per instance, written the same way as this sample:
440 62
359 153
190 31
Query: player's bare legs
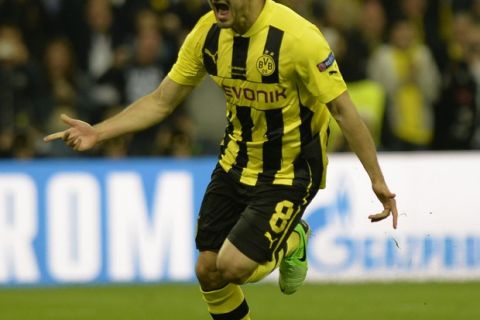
234 266
219 275
207 273
229 265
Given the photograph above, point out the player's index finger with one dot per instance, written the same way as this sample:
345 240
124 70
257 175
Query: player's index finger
54 136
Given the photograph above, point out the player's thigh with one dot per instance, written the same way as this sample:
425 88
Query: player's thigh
266 223
219 212
233 263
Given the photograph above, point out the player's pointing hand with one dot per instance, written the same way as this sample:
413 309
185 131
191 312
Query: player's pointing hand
80 136
387 198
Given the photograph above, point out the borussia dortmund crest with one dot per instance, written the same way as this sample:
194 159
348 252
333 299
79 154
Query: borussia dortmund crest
266 65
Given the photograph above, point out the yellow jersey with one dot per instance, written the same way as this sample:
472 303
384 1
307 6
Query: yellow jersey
277 79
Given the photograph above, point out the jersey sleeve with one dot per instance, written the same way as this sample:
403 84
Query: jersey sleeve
317 68
189 68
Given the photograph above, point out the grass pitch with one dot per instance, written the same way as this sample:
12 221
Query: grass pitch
436 301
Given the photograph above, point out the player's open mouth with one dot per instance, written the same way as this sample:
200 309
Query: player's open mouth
222 10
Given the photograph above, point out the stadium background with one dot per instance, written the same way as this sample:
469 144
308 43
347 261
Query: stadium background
92 236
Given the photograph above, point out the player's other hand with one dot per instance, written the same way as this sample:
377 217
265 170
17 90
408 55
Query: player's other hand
389 204
80 136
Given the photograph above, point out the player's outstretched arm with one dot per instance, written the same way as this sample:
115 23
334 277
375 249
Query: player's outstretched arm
361 142
142 114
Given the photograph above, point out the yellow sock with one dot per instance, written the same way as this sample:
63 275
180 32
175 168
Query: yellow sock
227 303
265 269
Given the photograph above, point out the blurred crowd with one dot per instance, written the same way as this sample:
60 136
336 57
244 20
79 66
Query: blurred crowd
412 67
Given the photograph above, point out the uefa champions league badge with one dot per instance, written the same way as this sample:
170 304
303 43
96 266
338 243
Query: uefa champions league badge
327 63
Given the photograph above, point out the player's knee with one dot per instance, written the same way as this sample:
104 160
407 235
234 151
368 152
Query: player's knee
208 276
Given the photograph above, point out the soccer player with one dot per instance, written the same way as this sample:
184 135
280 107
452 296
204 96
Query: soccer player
281 84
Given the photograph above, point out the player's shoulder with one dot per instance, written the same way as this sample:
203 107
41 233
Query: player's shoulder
292 23
198 34
207 18
205 22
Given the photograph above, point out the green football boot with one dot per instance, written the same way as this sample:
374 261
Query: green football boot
293 269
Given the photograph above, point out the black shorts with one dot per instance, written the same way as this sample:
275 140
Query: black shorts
257 220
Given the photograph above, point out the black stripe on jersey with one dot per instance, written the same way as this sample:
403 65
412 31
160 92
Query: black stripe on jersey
272 149
239 57
239 313
272 47
306 115
310 165
226 138
301 169
245 118
210 50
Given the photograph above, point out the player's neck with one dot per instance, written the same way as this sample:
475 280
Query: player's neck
248 18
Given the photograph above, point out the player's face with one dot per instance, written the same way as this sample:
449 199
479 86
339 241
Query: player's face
234 14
